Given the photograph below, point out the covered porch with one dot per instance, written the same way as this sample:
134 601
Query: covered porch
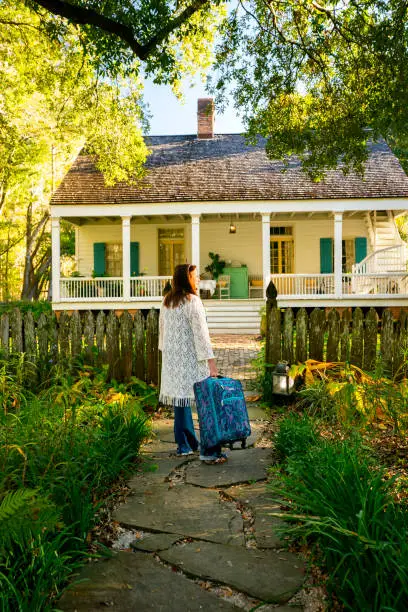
316 257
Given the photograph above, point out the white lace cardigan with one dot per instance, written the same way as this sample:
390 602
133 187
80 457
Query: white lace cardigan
186 346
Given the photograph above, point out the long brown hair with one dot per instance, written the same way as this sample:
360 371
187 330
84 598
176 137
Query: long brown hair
181 287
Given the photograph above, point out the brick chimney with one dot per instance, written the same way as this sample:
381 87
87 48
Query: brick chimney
205 118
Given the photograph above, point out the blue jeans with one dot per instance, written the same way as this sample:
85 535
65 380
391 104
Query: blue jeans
184 433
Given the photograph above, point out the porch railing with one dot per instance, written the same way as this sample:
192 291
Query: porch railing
313 286
390 259
299 285
95 289
144 287
111 289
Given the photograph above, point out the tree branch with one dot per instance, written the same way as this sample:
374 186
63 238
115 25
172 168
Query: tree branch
87 16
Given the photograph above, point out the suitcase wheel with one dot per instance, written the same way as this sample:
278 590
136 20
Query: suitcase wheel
231 445
243 443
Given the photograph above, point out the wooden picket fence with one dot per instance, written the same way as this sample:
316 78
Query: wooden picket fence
127 344
358 339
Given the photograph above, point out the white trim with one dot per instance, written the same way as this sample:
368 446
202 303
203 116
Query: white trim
338 253
230 207
126 257
266 251
195 241
55 258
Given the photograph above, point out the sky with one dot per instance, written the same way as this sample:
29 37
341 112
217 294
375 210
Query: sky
170 116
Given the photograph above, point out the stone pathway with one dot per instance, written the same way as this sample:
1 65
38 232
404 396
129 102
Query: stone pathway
202 537
234 354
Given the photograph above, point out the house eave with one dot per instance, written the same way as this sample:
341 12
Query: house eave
228 207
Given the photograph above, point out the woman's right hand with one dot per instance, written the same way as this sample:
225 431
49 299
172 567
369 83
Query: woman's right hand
213 368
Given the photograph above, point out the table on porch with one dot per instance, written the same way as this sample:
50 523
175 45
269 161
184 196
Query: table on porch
207 287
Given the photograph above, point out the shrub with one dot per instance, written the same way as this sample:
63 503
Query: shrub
341 502
58 456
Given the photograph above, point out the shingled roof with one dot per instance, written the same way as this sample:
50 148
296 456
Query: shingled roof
224 168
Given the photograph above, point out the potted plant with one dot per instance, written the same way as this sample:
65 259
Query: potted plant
216 266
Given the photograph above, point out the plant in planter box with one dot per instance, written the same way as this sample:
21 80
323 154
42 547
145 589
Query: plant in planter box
216 266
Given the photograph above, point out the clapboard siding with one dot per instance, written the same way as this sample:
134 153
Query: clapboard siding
245 246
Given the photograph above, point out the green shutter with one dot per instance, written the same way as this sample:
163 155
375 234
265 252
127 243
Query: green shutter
326 255
360 248
99 258
134 259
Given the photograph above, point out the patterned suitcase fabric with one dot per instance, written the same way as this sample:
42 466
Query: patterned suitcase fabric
222 411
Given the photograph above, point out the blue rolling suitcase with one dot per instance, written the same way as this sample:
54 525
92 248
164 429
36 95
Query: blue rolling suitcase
222 412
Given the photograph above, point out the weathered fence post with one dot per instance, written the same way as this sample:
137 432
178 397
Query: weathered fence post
370 340
42 339
287 336
301 335
63 337
30 348
126 328
316 334
273 337
345 336
139 348
5 334
387 339
112 346
53 337
75 329
334 336
100 337
357 339
401 343
89 337
16 328
152 344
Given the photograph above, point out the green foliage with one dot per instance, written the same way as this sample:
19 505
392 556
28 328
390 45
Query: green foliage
37 307
339 499
316 79
216 266
295 436
59 454
317 400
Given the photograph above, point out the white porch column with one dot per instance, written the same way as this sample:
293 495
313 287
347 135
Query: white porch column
55 258
195 241
338 253
126 257
266 251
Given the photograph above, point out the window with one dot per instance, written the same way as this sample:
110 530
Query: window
113 259
281 250
171 250
348 255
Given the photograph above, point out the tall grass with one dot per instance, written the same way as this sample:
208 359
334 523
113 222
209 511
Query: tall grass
59 453
340 500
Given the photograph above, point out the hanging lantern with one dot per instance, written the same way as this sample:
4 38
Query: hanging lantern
232 227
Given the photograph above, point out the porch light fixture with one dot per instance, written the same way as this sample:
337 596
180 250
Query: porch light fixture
232 227
282 383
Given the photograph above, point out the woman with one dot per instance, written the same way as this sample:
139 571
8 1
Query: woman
187 357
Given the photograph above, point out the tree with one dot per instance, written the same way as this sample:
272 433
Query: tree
318 78
52 102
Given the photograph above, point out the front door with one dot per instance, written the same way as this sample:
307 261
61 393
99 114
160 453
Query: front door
171 250
281 250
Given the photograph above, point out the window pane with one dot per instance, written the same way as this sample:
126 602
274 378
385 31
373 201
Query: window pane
113 254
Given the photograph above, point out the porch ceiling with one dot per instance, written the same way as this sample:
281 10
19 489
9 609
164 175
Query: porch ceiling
212 218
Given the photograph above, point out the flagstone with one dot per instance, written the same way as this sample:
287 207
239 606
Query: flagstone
265 574
185 510
247 466
135 581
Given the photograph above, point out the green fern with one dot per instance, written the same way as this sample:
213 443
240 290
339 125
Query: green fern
23 513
